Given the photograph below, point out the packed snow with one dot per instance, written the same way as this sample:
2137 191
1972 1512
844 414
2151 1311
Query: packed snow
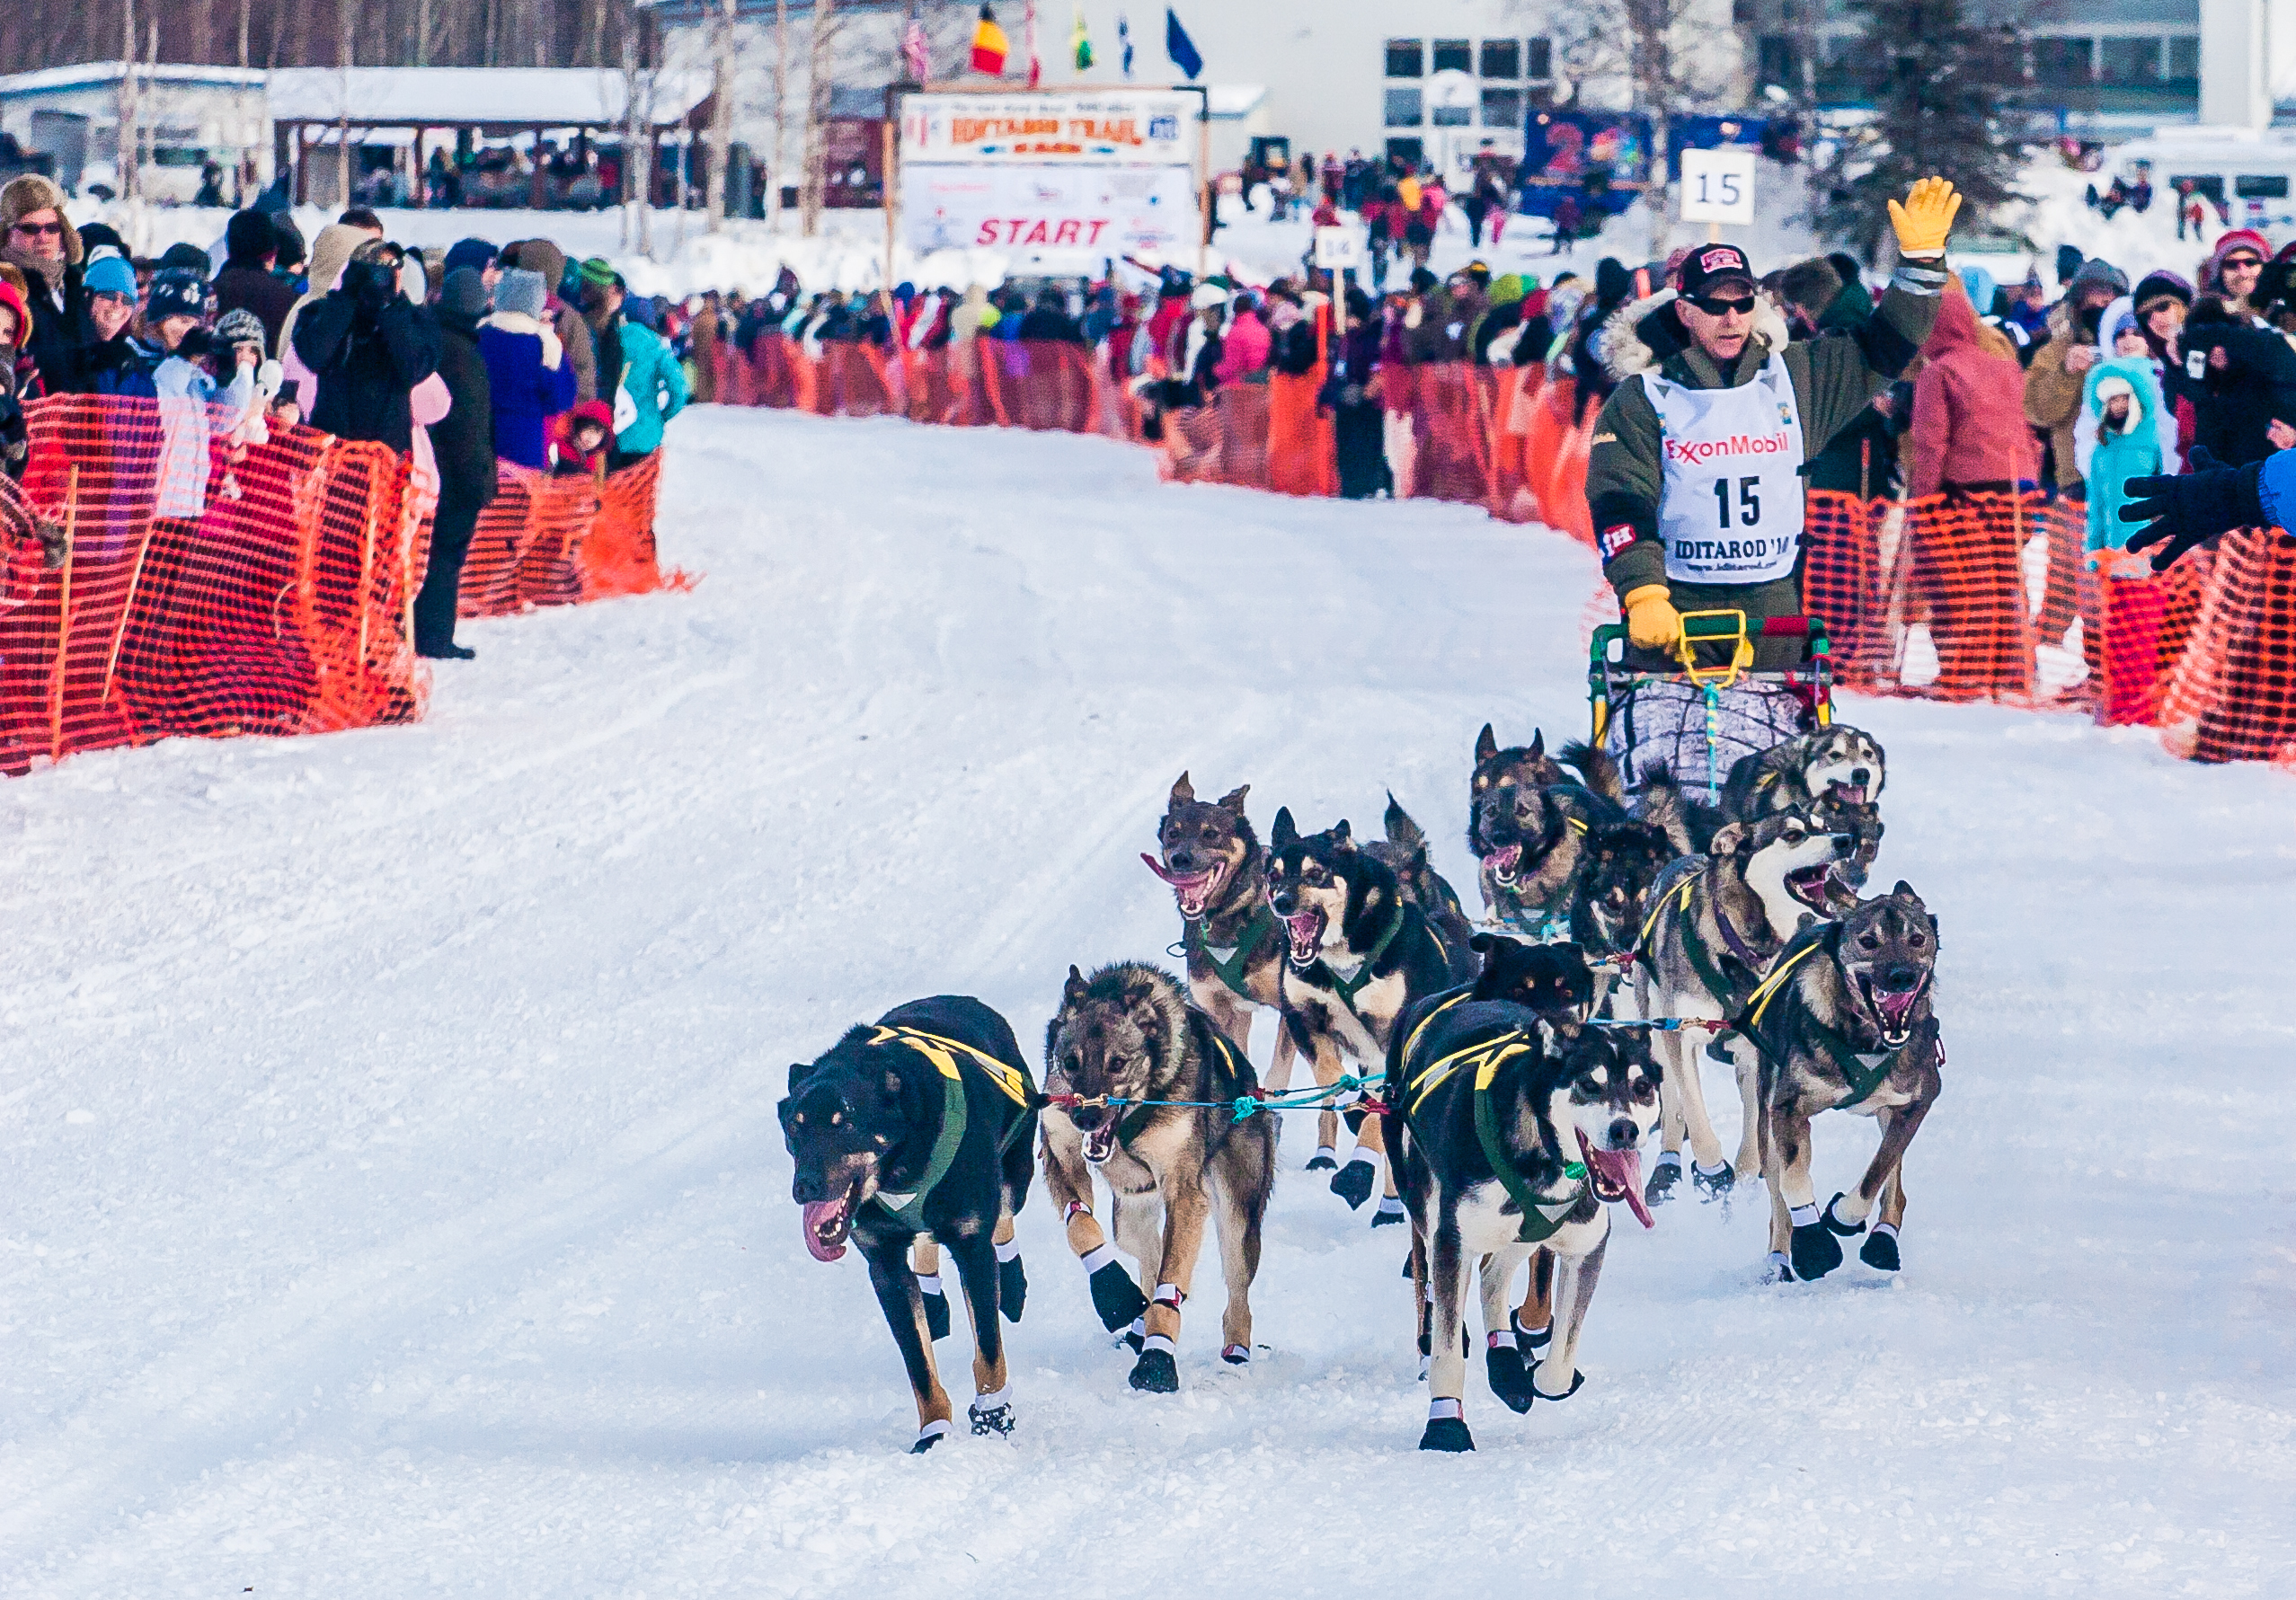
395 1204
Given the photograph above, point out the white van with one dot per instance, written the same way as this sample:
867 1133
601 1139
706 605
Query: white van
2253 174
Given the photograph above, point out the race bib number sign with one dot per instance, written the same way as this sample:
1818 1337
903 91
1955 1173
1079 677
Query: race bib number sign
1730 507
1718 186
1338 249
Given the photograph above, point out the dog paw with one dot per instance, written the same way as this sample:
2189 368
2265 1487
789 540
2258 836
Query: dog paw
1510 1378
1816 1251
1532 1339
1880 1252
1447 1433
1116 1298
1406 1267
1155 1373
1778 1269
936 1314
1011 1289
1713 1186
1578 1382
1323 1161
928 1436
992 1419
1663 1179
1236 1355
1835 1225
1353 1182
1385 1218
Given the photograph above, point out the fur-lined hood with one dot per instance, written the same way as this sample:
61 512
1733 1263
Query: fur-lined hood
1644 334
28 192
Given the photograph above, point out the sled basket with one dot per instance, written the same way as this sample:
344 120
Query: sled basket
1697 719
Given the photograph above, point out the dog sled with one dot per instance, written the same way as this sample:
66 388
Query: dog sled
1696 721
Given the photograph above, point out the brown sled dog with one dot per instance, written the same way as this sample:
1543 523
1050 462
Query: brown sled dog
1127 1034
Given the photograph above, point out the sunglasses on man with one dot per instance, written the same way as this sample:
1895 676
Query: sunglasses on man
40 229
1715 305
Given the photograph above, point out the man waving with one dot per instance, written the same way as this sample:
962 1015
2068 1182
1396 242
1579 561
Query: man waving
1695 474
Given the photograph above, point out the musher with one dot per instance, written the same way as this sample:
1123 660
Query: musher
1695 474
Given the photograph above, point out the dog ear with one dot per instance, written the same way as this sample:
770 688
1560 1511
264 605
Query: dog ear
1075 988
798 1071
1483 943
1341 836
1182 791
1486 745
1539 741
1284 831
1233 801
1729 839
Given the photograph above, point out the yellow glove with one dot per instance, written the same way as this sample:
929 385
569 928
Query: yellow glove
1926 218
1651 621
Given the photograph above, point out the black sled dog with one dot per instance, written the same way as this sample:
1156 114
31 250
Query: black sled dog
1125 1035
922 1124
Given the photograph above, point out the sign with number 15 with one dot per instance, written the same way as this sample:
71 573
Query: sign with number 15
1718 186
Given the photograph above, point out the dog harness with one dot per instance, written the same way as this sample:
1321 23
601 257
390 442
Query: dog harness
1864 1071
1234 971
1541 1216
1545 924
1350 987
946 1055
1702 960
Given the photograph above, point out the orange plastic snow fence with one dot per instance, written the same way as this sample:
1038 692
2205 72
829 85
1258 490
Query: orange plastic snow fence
2232 694
549 540
164 581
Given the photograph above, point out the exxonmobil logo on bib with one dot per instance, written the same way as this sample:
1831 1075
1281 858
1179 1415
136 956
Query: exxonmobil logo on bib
1692 452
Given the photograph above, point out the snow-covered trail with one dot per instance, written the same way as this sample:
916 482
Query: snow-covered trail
393 1202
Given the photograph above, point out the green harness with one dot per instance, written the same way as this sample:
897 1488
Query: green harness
946 1055
1864 1071
1541 1217
1349 988
1232 972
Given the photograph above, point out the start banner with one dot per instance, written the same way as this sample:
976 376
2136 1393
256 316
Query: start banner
1146 128
1113 210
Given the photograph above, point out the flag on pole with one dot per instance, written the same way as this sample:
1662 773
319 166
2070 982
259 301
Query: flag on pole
1180 47
989 47
1035 67
1124 39
1080 43
918 54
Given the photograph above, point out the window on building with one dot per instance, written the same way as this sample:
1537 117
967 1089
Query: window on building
2129 60
1403 108
1452 116
1454 54
2211 184
1542 60
1502 58
1406 58
2260 186
1407 152
2183 57
2059 60
1503 107
1779 62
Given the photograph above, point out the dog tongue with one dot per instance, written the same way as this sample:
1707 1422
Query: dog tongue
818 1211
1624 1169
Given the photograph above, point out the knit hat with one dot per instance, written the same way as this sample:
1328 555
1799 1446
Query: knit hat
521 292
13 298
2154 288
176 293
477 255
110 274
598 273
185 258
1206 296
1507 288
465 293
249 239
2246 239
241 327
29 192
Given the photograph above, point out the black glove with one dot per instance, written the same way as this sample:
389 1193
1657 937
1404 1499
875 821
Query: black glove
371 286
2189 510
198 344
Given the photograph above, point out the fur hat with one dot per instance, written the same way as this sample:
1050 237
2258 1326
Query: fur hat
29 192
521 292
175 294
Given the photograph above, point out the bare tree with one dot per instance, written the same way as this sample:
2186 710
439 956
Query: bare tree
721 112
127 110
818 83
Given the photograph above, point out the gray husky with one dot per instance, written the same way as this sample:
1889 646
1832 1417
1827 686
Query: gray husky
1844 1022
1840 761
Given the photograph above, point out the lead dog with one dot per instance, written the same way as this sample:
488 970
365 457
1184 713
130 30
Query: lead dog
1714 925
921 1124
1845 1022
1358 953
1513 1132
1127 1034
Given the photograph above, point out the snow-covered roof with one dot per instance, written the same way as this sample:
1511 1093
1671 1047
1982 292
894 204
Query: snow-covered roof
89 74
449 96
1235 99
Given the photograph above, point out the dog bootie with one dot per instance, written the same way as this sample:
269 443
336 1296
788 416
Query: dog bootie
1236 1355
1714 1185
1665 1173
1325 1159
1012 1280
1354 1181
1816 1251
1155 1372
1114 1295
993 1414
1532 1339
930 1435
1578 1382
1510 1378
1446 1427
936 1307
1390 1214
1880 1250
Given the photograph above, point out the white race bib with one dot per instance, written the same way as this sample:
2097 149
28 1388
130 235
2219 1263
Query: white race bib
1730 505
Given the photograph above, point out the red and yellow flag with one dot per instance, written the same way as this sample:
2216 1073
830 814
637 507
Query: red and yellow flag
989 47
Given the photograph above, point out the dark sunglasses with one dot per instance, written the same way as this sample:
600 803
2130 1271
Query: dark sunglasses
38 228
2242 263
1714 305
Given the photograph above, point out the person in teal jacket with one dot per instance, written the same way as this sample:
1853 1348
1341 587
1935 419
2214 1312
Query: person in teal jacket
2123 398
637 373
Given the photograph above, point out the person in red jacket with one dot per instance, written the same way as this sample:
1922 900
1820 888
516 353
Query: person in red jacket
1966 430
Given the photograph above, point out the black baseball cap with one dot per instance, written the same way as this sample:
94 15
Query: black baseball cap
1709 266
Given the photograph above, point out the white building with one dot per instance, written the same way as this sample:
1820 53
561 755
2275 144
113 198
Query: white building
188 117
